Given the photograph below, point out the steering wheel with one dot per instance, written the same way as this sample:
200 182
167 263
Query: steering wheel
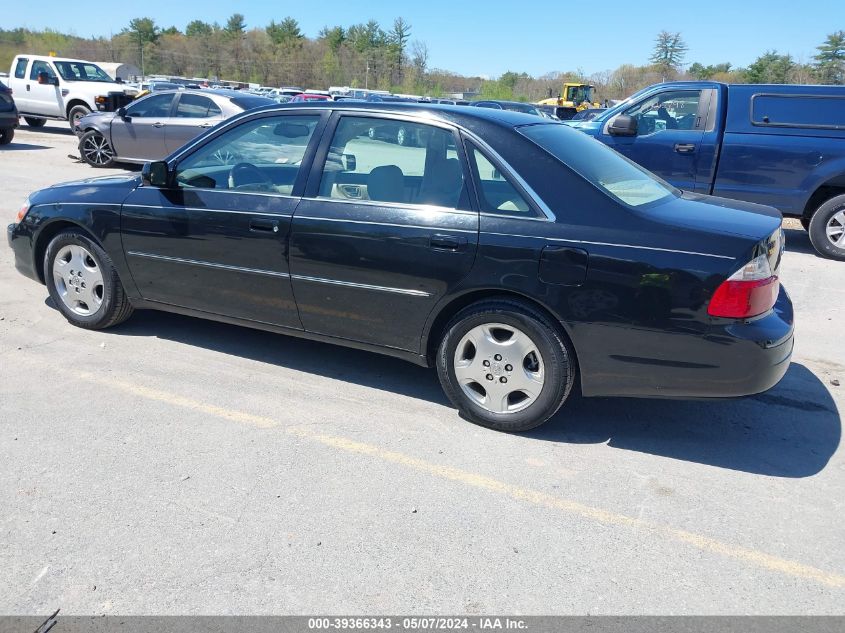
248 176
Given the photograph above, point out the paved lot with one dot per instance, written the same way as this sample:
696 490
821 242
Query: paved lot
173 465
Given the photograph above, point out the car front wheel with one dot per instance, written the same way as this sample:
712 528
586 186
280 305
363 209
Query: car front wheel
827 228
83 282
95 149
505 365
6 135
34 121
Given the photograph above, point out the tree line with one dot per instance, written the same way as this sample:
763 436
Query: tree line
387 58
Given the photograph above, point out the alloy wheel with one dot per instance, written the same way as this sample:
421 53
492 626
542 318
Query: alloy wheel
835 229
96 150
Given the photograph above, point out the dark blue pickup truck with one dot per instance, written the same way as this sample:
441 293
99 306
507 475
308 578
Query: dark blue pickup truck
778 145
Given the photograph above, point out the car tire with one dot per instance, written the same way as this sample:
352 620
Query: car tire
32 121
76 113
83 282
493 349
827 229
95 149
6 135
805 222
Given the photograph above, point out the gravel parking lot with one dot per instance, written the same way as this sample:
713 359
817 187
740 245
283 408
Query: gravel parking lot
174 465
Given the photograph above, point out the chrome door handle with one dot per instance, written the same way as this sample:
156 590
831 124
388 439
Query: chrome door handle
158 124
206 125
442 242
684 148
263 226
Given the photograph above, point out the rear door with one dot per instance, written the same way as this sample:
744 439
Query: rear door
19 83
670 130
46 98
140 134
193 115
384 231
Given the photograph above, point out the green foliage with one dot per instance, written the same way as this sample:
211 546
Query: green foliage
830 61
235 25
144 30
770 68
285 32
698 71
198 28
334 37
669 53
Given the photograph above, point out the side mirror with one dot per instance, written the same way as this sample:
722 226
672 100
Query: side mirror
623 125
54 81
121 112
43 78
155 174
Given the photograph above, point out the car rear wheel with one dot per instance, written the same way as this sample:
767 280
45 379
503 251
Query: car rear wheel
827 228
76 113
6 135
83 282
32 121
402 137
95 149
805 222
505 365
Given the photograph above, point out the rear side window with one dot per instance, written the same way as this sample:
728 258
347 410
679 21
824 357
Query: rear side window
196 107
153 106
496 193
801 111
20 68
394 161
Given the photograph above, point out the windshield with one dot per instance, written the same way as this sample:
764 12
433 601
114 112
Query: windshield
82 71
611 172
579 94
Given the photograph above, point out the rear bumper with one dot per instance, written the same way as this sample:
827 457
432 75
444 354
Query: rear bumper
732 359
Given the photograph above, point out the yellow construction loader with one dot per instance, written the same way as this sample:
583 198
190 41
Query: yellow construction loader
573 99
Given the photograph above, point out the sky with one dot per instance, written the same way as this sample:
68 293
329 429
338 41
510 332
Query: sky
490 37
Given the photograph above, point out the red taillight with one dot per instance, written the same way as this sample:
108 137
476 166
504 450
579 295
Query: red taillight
744 299
750 291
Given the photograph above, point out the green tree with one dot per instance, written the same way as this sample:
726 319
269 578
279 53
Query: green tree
285 32
235 25
198 28
334 37
669 53
143 31
770 68
699 71
830 61
170 30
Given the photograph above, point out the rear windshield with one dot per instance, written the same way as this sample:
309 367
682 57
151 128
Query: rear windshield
611 172
248 102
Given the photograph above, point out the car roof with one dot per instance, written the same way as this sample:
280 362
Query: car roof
454 113
220 92
500 102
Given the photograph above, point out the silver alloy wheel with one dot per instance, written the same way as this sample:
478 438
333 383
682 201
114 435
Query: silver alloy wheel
836 229
78 279
499 368
97 150
401 136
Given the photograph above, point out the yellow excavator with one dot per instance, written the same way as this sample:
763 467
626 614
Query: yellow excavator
572 99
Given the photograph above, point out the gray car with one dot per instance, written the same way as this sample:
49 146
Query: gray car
158 124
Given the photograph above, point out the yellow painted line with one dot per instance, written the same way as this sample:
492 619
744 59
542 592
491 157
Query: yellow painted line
475 480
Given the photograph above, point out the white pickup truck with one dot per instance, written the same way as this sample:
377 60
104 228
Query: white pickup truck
63 89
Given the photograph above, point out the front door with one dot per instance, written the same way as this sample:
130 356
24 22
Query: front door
193 115
216 240
670 128
139 134
43 98
384 232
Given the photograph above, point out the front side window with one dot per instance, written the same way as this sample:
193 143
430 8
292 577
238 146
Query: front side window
40 67
675 110
496 193
261 156
157 106
387 160
20 68
82 71
193 106
608 170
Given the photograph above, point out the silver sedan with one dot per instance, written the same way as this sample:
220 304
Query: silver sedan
158 124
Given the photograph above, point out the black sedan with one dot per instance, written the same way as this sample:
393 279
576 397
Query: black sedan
521 258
